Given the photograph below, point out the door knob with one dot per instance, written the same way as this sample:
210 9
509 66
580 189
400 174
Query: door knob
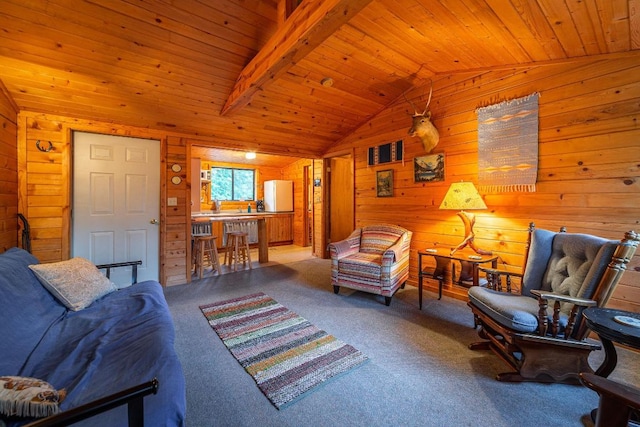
153 221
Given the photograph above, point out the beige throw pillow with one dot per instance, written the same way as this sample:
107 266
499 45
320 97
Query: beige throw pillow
76 282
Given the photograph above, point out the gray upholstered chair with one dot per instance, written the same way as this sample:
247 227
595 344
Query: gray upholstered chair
540 331
373 259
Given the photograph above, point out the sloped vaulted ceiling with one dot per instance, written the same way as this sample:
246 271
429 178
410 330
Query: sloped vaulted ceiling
226 72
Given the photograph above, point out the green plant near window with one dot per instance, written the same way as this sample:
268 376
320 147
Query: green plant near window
232 184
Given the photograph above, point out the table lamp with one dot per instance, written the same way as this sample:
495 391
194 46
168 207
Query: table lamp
464 196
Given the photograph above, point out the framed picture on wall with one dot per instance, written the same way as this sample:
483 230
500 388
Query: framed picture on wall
384 183
386 153
428 168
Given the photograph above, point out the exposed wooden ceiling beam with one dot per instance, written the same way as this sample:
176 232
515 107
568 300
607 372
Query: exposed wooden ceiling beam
308 26
284 9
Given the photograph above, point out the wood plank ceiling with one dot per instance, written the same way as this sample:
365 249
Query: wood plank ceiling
176 65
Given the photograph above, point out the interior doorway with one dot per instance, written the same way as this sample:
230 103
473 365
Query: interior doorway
116 203
340 197
307 226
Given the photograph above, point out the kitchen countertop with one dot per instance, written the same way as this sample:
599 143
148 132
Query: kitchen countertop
233 214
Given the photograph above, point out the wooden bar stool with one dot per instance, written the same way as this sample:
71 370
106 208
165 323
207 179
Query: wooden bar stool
237 249
204 247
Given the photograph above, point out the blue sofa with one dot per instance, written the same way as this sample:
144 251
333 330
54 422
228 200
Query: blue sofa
123 339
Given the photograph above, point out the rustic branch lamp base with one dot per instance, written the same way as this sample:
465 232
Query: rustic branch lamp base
468 219
463 195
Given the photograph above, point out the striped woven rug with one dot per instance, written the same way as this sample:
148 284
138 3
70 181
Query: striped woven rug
284 353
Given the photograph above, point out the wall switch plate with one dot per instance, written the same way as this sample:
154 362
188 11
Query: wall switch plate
172 201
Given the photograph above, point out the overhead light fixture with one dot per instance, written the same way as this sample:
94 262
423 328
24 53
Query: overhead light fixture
327 82
250 155
464 195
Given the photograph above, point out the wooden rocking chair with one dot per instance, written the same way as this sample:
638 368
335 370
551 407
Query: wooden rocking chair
540 332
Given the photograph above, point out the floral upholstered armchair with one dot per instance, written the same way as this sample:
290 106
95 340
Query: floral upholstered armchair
372 259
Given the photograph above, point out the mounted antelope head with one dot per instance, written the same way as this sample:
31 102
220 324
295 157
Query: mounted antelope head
422 126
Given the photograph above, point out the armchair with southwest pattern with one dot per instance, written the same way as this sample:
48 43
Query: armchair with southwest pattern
372 259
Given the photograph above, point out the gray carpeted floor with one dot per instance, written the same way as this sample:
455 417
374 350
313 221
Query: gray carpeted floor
420 372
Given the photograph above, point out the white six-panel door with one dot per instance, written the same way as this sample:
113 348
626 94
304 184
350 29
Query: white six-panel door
116 202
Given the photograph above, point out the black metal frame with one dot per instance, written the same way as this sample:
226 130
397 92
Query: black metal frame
133 264
26 233
132 397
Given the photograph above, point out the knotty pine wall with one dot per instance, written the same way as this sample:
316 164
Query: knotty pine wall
588 168
589 160
9 167
44 190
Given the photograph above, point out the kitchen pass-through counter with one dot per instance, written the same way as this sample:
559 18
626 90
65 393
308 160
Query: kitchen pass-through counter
231 219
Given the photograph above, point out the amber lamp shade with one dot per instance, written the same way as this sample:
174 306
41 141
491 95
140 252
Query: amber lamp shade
464 196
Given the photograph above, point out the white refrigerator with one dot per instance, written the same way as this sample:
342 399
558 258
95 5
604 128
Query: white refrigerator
278 196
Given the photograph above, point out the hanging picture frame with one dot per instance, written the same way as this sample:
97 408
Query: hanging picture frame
428 168
385 153
384 183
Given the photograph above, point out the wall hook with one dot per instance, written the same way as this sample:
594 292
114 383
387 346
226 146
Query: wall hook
44 150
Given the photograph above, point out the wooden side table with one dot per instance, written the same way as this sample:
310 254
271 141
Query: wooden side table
618 402
603 322
469 262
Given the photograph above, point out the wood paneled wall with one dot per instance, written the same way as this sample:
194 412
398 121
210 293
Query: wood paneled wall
175 223
9 167
44 190
44 194
588 179
589 160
